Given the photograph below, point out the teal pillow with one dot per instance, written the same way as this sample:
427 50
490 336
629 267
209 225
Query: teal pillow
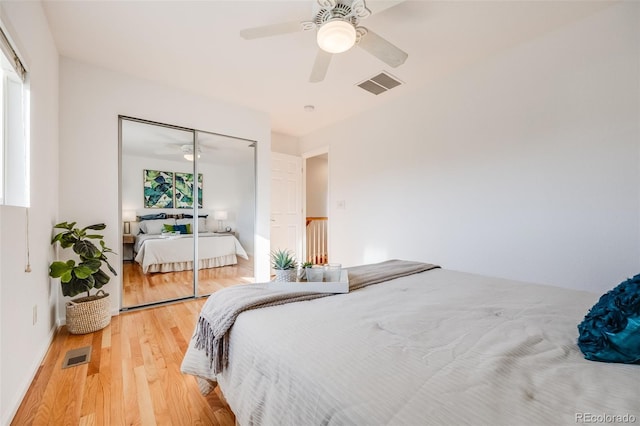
610 332
181 229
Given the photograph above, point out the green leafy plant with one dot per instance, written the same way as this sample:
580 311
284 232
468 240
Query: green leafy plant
283 260
77 278
302 273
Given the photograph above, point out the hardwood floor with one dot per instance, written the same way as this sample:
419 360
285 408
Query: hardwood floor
133 377
140 289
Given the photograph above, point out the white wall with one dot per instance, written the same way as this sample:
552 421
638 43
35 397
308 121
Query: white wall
317 185
91 99
243 217
23 344
285 144
525 166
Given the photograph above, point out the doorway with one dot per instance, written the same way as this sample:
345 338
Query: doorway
300 205
286 203
317 208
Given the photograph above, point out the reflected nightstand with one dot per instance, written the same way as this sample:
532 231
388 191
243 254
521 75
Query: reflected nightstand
234 233
127 247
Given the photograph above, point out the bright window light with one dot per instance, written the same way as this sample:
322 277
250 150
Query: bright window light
14 119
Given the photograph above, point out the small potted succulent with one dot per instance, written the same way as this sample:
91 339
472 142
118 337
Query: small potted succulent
285 265
302 271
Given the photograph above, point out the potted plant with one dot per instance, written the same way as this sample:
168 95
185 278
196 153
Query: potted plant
284 263
90 313
302 271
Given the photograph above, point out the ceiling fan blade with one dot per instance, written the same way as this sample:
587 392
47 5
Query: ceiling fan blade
320 66
327 4
383 49
164 152
271 30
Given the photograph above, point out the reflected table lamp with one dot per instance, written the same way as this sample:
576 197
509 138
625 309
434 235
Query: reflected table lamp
128 216
220 216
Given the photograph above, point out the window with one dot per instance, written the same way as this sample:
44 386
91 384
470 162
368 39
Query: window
14 155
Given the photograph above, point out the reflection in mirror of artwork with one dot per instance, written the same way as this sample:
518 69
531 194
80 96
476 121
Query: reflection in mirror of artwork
158 191
184 190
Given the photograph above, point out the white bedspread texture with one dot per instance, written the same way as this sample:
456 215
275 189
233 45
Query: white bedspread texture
440 347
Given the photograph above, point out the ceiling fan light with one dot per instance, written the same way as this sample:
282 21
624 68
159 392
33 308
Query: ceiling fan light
189 157
336 36
187 150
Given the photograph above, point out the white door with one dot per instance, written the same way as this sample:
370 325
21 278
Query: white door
286 203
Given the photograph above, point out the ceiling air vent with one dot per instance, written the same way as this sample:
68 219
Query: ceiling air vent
380 83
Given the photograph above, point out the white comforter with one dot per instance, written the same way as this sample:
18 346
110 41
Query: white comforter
440 347
155 250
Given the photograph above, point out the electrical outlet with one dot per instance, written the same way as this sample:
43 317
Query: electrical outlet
35 314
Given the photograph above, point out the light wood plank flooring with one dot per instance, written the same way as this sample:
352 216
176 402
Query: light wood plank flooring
133 377
140 289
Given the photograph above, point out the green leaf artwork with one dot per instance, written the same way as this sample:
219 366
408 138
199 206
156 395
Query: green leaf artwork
158 189
184 190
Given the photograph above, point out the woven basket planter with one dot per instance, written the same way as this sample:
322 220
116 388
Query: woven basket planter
89 314
286 275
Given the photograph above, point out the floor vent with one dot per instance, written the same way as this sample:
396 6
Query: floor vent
77 357
380 83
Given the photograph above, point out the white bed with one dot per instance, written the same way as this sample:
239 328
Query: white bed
157 253
438 347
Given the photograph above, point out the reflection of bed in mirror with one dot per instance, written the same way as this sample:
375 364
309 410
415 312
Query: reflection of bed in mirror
158 252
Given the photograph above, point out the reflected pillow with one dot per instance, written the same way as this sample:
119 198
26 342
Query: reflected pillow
155 226
610 332
182 229
152 216
202 223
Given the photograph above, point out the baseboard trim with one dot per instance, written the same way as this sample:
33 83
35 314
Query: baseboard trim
15 403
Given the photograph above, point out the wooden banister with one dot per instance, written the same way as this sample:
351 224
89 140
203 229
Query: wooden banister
317 246
311 218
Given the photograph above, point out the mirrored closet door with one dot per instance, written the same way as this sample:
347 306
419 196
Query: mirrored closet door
226 248
187 199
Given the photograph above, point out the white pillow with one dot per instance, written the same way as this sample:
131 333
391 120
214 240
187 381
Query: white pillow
202 223
155 226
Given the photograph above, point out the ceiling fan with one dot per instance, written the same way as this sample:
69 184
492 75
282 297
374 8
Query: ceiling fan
185 150
338 27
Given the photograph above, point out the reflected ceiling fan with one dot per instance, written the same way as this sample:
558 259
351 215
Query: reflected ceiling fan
338 27
186 151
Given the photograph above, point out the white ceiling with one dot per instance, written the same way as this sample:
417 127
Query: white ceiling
195 46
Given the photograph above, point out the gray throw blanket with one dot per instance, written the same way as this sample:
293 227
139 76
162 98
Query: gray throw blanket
223 307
